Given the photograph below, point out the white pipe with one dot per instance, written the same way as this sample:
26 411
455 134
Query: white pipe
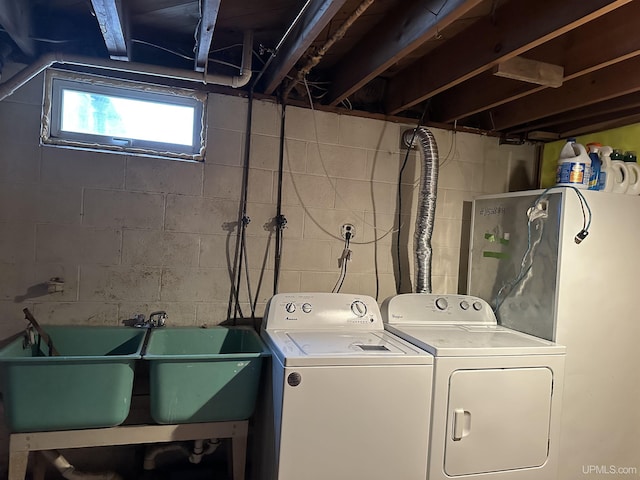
18 80
196 454
153 452
69 472
200 451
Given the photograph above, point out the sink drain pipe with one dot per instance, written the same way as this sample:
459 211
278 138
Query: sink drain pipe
69 472
200 449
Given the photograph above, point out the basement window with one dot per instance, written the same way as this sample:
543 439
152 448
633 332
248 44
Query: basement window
90 112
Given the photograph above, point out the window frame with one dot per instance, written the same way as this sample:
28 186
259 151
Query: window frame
51 133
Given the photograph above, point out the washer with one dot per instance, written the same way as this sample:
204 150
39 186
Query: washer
351 401
497 393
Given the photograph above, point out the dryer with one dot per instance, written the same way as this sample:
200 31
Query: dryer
351 400
497 393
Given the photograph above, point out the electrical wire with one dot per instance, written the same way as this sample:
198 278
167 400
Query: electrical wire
525 266
190 58
333 187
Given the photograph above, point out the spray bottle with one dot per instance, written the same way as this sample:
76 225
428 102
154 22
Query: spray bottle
596 166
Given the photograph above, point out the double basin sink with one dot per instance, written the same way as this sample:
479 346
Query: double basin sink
195 375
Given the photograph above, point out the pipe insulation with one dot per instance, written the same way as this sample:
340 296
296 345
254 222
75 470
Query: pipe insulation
21 78
69 472
426 213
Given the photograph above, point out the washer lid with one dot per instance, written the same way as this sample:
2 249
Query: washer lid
474 340
308 348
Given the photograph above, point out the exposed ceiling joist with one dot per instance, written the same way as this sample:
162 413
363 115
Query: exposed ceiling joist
589 123
619 79
580 51
204 36
589 113
15 18
514 29
619 121
110 16
402 33
316 18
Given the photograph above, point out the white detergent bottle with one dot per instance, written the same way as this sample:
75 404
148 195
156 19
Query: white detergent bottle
574 166
620 175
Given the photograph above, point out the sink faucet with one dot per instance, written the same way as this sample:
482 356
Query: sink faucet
156 319
161 318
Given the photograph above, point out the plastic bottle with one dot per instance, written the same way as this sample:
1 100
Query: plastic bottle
574 166
617 154
596 168
606 177
630 157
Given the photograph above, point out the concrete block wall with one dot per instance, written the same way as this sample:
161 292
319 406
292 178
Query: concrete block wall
133 234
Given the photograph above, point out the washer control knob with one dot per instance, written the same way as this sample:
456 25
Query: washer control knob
464 305
441 303
306 307
359 308
290 307
477 306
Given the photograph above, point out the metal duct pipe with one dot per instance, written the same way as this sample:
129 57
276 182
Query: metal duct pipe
14 83
426 214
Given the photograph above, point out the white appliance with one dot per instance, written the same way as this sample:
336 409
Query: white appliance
497 393
351 401
583 296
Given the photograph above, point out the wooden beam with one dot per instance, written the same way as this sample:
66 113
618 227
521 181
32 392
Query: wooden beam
516 27
402 32
595 120
580 51
204 35
316 18
600 109
110 16
599 126
611 82
530 71
15 18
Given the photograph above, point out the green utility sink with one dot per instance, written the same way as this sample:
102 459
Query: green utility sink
87 386
203 375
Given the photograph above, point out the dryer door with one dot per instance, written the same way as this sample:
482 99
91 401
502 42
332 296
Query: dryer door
498 419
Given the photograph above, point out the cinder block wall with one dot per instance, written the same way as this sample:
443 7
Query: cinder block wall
132 234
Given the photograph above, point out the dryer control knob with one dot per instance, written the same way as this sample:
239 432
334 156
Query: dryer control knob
359 308
290 307
477 306
464 305
306 307
441 303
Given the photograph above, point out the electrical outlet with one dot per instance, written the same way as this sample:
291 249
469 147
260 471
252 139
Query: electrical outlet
348 228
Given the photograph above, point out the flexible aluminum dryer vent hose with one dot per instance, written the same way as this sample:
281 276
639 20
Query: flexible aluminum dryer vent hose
426 214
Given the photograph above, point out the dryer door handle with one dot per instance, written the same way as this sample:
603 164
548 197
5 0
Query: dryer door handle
461 423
